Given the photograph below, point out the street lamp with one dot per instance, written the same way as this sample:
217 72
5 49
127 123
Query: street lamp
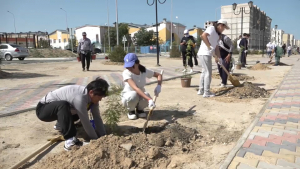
68 29
157 45
242 10
178 29
117 26
171 24
14 20
108 25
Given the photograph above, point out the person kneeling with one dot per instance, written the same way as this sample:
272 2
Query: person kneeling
134 96
63 103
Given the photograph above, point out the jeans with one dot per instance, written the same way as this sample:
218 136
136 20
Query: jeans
205 77
223 74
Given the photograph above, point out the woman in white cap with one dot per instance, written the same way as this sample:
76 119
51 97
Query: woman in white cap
183 44
134 96
209 46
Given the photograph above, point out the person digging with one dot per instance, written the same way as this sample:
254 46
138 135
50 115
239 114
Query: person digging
72 102
134 96
277 52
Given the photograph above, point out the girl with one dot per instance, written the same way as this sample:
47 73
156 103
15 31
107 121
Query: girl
226 47
209 45
134 96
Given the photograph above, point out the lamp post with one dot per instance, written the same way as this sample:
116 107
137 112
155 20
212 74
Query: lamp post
108 26
68 29
242 11
275 33
157 45
14 20
117 25
178 29
171 24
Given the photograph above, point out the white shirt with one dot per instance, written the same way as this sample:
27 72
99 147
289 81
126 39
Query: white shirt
270 47
289 48
213 39
238 43
139 80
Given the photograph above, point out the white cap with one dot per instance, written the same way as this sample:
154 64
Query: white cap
185 31
222 21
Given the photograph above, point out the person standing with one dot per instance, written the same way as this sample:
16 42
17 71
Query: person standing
226 48
64 103
289 50
209 46
269 49
134 96
238 43
244 47
84 50
184 44
284 49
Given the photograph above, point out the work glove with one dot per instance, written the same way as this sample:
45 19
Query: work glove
212 49
157 90
151 104
245 51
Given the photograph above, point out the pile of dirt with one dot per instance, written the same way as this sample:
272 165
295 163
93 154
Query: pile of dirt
137 150
259 66
50 53
239 77
246 90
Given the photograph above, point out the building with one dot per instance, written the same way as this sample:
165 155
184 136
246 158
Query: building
292 39
196 32
164 30
255 22
59 39
24 39
277 36
286 39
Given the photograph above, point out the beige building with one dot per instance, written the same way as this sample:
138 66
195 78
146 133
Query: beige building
255 22
286 39
292 40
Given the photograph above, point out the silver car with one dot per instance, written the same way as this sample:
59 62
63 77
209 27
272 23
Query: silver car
10 51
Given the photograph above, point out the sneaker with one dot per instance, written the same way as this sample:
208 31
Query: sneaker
191 71
200 92
222 85
141 114
83 69
131 115
184 70
72 142
88 69
208 94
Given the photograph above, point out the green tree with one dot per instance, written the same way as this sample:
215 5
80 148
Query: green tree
123 30
43 43
144 37
199 40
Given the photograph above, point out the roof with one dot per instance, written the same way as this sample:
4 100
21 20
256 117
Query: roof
195 28
63 31
134 25
91 26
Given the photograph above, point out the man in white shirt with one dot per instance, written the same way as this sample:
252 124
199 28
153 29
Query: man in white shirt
84 50
238 43
270 48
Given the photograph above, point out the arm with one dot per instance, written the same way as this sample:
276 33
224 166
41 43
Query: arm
204 38
229 43
138 90
99 126
181 42
159 78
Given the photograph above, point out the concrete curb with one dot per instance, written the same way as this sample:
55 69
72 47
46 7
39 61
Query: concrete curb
33 108
244 137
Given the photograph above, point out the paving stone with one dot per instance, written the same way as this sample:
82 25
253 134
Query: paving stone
264 165
233 165
297 161
285 163
288 147
249 162
278 133
243 151
289 158
260 134
262 148
245 166
288 152
285 131
284 142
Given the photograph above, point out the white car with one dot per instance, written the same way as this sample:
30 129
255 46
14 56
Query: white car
10 51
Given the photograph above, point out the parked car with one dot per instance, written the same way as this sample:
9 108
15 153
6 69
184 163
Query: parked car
74 50
10 51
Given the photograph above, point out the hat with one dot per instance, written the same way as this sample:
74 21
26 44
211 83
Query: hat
129 60
222 21
83 33
186 31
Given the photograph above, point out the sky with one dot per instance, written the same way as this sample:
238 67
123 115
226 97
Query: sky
41 15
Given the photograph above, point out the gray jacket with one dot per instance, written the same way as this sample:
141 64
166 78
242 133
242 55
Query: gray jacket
79 99
84 46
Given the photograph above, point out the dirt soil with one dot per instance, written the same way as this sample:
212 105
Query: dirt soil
207 128
50 53
281 64
239 77
246 90
259 66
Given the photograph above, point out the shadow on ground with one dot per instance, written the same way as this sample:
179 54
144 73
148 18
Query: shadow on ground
19 75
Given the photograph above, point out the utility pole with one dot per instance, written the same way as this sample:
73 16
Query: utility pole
68 29
14 21
108 26
171 24
117 24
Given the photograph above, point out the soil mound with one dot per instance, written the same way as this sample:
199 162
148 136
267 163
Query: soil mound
137 150
246 90
259 66
50 53
239 77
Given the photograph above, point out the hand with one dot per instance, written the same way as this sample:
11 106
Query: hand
151 104
245 51
211 49
157 90
216 60
227 59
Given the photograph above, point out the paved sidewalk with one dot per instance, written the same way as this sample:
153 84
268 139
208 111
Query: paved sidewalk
274 141
26 97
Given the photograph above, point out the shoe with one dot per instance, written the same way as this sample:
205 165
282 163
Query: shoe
222 85
88 69
200 92
83 69
131 115
191 71
72 142
184 70
208 94
57 127
141 114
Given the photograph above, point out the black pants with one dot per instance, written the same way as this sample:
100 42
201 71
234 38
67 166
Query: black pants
60 111
190 61
222 73
243 58
86 57
195 57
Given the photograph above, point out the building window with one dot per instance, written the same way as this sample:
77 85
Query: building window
54 40
97 38
65 40
59 40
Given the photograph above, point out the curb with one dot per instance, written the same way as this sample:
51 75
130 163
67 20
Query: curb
33 108
244 137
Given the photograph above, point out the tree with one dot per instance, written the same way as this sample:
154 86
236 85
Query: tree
144 37
74 40
123 30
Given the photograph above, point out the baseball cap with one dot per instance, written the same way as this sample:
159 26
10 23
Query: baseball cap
129 60
83 33
222 21
185 31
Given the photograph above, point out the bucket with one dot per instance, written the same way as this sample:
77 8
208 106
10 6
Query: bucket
93 57
78 58
186 82
238 66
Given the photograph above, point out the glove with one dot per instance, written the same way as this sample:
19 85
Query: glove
157 90
245 51
211 49
151 104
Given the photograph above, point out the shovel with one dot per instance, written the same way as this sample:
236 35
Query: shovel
151 110
45 146
233 80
